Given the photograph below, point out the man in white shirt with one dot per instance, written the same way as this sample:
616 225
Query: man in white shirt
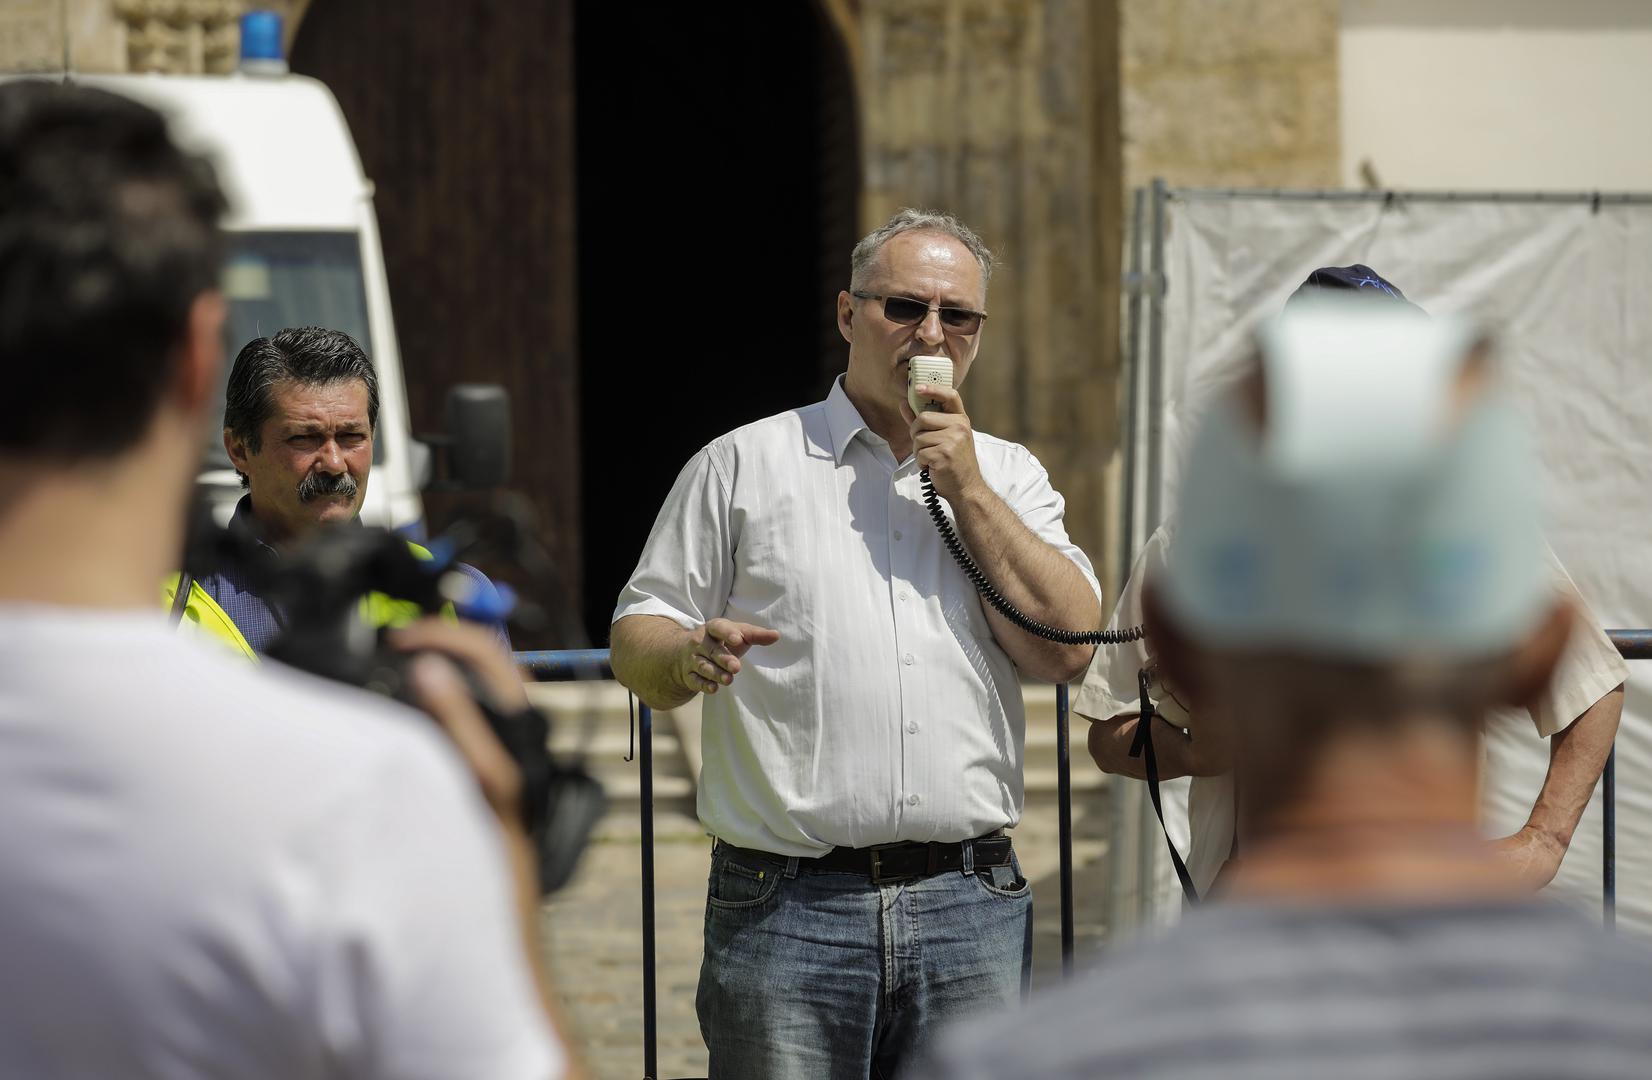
863 725
208 870
1577 711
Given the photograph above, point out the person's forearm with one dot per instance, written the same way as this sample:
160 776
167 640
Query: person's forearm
1110 742
1034 577
1576 757
643 651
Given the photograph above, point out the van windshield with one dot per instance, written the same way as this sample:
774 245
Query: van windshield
273 280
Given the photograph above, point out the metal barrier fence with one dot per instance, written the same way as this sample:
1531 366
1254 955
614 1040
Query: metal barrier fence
592 664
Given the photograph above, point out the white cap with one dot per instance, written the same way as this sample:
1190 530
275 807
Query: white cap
1368 519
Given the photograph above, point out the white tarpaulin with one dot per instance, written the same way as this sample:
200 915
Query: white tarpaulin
1566 285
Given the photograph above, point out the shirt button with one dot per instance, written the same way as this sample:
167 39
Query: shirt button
903 598
897 534
912 728
907 659
912 800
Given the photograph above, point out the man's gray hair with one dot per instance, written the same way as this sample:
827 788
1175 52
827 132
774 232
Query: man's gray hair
865 255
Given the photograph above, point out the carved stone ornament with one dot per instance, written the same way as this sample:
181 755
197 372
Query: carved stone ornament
182 37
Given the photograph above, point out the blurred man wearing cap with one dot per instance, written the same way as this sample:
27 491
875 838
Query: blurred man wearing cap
1358 578
1578 710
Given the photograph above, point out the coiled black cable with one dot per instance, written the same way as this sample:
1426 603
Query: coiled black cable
991 595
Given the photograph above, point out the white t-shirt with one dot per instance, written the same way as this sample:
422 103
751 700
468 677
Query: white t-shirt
887 710
1589 668
209 869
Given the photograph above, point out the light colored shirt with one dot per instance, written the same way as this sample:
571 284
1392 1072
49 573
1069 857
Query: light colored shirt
886 711
212 869
1468 991
1589 668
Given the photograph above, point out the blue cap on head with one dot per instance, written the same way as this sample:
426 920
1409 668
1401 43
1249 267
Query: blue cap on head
261 35
1359 279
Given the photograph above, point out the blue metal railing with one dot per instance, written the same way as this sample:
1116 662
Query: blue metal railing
593 664
566 665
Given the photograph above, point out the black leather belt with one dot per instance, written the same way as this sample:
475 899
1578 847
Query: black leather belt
906 860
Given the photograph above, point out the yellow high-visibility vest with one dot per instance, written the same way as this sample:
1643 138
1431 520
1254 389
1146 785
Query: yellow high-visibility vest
203 616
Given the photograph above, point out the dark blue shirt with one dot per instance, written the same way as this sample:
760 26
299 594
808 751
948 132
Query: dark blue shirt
261 622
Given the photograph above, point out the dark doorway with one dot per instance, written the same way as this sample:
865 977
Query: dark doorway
718 177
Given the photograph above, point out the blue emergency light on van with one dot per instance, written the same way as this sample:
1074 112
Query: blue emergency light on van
261 43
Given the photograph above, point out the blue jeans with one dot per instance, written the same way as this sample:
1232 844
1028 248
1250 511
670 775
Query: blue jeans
822 975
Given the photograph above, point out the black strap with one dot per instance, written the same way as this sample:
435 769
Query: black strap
1233 844
180 599
1142 747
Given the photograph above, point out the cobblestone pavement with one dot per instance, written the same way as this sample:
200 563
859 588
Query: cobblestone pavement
593 930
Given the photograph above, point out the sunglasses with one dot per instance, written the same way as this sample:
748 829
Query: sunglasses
909 312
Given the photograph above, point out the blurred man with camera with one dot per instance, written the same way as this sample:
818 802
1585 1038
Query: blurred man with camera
1356 581
208 869
300 414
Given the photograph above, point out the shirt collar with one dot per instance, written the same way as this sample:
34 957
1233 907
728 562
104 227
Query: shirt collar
844 420
245 525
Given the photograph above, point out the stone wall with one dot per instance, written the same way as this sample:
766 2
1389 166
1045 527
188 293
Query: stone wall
31 35
1232 93
1033 120
178 37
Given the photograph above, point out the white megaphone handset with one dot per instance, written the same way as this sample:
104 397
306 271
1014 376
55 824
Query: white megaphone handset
930 370
937 371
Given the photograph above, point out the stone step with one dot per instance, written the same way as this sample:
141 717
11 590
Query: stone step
1042 780
614 744
627 788
1041 742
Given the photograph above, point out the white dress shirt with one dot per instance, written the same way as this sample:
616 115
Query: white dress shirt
886 711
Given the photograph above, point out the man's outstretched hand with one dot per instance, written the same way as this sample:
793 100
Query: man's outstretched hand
711 655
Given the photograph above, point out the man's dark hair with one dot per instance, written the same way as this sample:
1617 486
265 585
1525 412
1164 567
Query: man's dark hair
108 234
307 355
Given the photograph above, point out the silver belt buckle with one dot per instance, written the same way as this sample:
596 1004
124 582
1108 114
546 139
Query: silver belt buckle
877 864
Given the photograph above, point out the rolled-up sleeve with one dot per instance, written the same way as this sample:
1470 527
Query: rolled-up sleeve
1110 686
687 565
1589 668
1042 509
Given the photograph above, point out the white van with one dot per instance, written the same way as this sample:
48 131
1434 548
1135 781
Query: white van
303 248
